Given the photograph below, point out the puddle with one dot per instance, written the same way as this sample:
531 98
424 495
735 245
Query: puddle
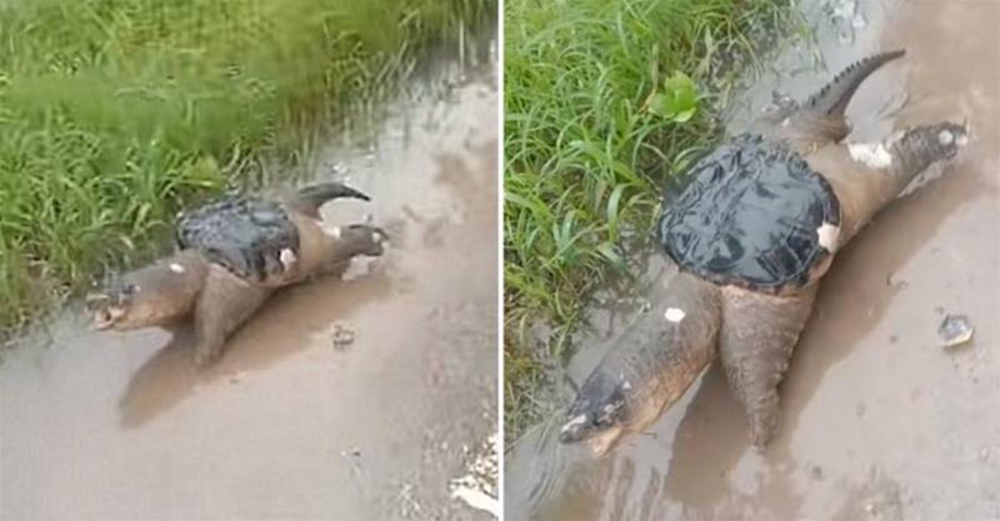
878 420
293 423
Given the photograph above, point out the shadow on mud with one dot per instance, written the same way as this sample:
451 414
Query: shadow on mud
169 377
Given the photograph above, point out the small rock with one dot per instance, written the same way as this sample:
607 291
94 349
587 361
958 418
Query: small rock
955 330
858 22
339 169
894 282
343 337
351 453
816 472
782 100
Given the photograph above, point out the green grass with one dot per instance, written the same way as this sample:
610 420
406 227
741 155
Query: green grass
597 119
114 114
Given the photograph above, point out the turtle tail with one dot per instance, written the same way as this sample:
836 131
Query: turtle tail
308 199
833 98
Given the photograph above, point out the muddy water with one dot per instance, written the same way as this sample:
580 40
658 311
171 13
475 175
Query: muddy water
290 424
879 421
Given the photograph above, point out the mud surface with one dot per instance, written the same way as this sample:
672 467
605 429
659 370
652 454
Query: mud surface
879 421
343 399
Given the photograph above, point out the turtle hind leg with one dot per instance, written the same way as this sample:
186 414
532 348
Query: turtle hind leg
758 336
225 303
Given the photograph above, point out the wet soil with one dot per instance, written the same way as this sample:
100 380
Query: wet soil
879 420
343 399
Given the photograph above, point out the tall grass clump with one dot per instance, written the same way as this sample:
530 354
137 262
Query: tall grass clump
114 113
604 101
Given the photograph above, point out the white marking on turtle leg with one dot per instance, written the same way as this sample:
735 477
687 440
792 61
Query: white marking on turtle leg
874 155
176 268
674 315
335 232
945 137
287 258
829 236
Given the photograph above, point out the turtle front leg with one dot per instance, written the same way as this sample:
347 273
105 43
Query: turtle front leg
759 333
225 303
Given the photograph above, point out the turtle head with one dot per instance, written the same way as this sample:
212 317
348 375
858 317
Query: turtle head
599 414
111 307
159 294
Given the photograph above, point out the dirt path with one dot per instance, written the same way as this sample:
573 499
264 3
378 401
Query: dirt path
879 422
288 425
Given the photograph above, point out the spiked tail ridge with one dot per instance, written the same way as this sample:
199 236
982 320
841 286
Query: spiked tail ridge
308 199
833 98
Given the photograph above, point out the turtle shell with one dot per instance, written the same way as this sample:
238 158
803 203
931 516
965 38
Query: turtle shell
749 215
245 235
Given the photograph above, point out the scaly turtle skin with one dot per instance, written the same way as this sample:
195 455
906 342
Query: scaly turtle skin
232 255
752 231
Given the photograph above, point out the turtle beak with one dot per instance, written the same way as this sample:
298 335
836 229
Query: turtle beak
103 312
574 429
580 429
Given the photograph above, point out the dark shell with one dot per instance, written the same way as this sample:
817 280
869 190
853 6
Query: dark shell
748 216
245 235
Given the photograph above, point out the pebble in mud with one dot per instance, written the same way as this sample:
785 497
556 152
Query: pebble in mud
955 330
893 281
343 337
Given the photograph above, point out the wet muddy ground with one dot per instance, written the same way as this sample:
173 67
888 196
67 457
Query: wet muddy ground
343 399
879 421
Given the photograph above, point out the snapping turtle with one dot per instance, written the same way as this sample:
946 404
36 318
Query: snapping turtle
232 254
751 233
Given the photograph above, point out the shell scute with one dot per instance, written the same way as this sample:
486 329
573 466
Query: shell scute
245 235
749 215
